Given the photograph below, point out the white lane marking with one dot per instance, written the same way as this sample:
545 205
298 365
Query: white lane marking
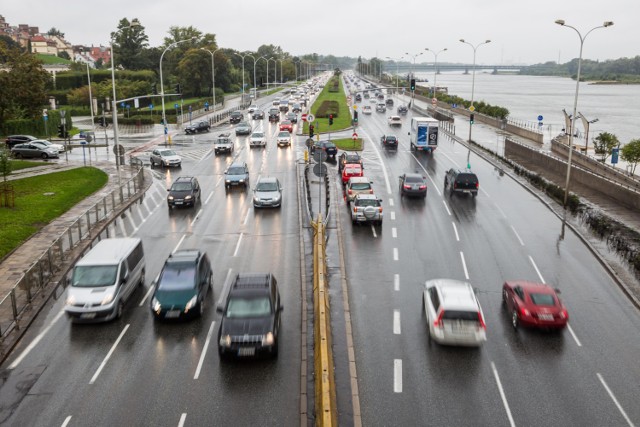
536 268
502 395
246 217
384 169
396 322
446 207
108 356
485 193
179 243
395 254
394 233
35 341
393 216
183 418
151 288
133 224
208 198
455 230
517 236
504 215
142 218
397 375
66 421
396 282
235 253
373 230
196 217
611 395
204 350
464 266
574 335
390 202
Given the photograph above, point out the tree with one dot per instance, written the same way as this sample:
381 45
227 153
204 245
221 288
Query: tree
630 153
128 44
194 72
55 32
5 164
604 143
64 54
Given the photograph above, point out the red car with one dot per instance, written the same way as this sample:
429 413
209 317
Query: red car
349 170
286 125
534 305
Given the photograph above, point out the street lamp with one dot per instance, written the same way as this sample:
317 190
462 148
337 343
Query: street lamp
255 86
281 75
473 83
242 56
213 75
114 104
411 72
396 60
275 66
435 66
295 66
575 100
164 117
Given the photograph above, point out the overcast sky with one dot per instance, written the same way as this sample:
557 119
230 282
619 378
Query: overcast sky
522 32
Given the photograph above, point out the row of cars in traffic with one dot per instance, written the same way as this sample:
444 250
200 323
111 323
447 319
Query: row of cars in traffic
27 146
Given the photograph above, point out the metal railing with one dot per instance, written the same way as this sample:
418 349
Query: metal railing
38 275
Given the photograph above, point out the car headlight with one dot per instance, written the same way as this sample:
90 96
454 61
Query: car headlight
256 198
225 341
170 198
155 305
192 302
241 180
188 197
107 299
70 300
228 181
268 339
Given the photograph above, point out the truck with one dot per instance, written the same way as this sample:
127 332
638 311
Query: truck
424 134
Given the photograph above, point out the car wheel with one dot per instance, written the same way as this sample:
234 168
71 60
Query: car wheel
44 156
142 278
17 155
274 352
514 319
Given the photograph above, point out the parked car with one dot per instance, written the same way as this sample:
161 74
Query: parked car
236 117
286 125
237 175
183 285
461 181
185 191
366 109
327 146
250 317
357 185
366 208
348 157
283 138
453 313
413 184
257 115
243 128
267 193
351 170
13 140
394 121
45 143
196 127
29 150
223 144
534 305
257 139
165 158
292 117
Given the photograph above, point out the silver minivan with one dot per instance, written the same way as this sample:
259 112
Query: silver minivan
104 279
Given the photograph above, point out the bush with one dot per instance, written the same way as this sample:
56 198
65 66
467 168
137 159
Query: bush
328 107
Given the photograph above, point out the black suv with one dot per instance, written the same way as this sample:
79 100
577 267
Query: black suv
182 286
250 317
236 117
461 181
185 191
18 139
402 109
327 146
274 115
199 126
257 115
389 141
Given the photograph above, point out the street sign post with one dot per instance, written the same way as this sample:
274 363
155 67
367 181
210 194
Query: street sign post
311 117
304 117
354 136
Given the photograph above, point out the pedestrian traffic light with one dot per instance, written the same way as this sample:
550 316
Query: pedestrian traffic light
413 84
61 131
311 128
471 118
330 119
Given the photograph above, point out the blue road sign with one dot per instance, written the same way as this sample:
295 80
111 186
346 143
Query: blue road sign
45 118
175 106
150 106
166 131
122 104
614 156
206 104
540 118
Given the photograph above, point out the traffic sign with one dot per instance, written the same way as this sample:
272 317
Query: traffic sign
540 118
150 106
472 108
118 150
355 106
304 117
311 117
354 136
175 106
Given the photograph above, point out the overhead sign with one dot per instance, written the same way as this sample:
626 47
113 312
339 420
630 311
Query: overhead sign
311 117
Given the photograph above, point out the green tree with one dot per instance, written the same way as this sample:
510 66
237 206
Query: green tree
194 72
604 143
55 32
128 44
64 54
5 164
630 153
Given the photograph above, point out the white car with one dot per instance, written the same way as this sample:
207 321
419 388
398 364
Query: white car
44 143
366 109
394 121
258 139
283 138
165 158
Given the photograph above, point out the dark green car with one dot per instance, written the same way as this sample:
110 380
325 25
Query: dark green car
182 287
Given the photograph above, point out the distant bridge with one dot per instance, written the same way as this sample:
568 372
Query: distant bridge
467 68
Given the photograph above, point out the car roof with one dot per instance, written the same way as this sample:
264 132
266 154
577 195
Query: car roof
367 196
184 178
183 255
455 294
237 164
359 179
532 287
413 175
267 179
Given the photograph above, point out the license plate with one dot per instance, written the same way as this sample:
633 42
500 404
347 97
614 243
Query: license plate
178 203
246 351
88 316
544 316
172 314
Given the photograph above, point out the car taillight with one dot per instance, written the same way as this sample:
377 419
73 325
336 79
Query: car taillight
564 314
438 322
371 191
481 320
408 187
455 184
380 209
477 185
422 187
524 311
350 191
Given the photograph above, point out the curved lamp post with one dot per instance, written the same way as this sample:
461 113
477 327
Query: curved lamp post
435 66
255 86
242 56
213 75
396 61
275 66
473 85
411 72
575 100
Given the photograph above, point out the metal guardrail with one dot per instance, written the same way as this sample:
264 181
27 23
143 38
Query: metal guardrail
34 280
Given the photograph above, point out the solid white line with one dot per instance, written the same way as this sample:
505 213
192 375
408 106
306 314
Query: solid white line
574 335
397 375
455 230
246 217
396 322
502 395
393 216
394 233
66 421
446 207
396 282
183 418
536 268
464 265
108 356
35 341
208 198
504 215
204 350
484 191
151 288
517 236
196 217
395 254
384 169
235 253
606 387
390 202
179 243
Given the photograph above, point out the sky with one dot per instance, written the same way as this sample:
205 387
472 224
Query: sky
520 32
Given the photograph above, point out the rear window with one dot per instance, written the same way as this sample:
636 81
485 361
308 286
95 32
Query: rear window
352 171
471 316
360 186
367 202
542 299
467 177
413 180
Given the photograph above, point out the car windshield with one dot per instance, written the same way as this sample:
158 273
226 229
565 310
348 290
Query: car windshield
367 202
257 135
284 134
236 171
177 276
542 299
360 186
243 307
236 114
267 186
181 186
94 275
168 153
222 141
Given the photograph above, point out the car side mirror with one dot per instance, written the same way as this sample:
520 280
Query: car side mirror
219 309
281 308
557 291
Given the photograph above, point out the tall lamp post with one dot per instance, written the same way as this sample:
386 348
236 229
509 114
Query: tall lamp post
473 84
255 85
242 56
575 100
295 66
275 66
213 75
114 104
411 72
164 117
396 60
435 66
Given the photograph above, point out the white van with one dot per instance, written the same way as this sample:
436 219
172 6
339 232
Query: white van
104 279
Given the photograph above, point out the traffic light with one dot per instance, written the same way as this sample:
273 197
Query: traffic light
330 119
178 88
61 131
413 84
471 118
311 128
355 116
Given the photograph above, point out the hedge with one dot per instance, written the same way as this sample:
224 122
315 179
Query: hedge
328 107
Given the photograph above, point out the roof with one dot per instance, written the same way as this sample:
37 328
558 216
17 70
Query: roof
541 288
109 251
456 294
184 255
359 179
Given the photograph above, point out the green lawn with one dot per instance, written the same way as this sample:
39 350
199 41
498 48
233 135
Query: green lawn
52 59
348 144
343 121
17 165
34 209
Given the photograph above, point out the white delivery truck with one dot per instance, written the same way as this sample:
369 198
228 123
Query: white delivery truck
424 134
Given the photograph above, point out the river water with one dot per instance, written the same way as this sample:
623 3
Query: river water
617 107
